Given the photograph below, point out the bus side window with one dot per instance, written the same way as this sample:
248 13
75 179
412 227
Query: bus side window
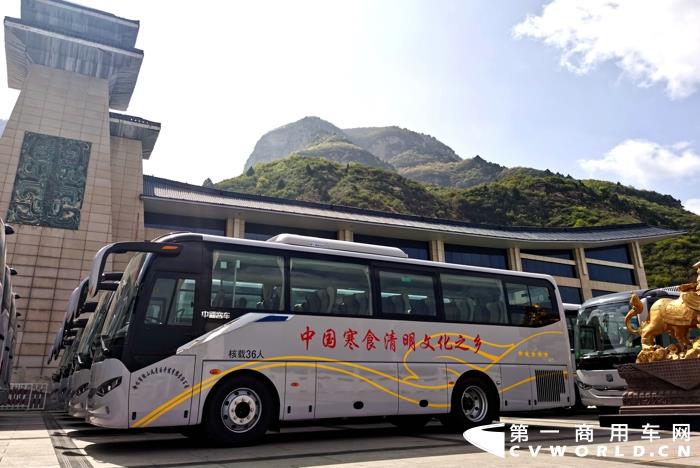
323 287
530 305
242 280
473 299
407 294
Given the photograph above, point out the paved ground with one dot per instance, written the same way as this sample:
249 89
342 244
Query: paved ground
34 439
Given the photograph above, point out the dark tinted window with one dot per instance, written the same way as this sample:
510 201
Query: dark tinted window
473 299
570 295
477 256
531 305
414 249
610 274
171 302
600 292
185 223
321 287
407 294
562 254
246 280
554 269
618 253
265 231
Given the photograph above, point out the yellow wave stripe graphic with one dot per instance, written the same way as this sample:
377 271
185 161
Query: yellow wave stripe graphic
494 359
289 361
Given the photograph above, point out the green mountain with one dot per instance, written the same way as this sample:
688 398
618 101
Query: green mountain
283 141
414 155
402 148
518 196
339 149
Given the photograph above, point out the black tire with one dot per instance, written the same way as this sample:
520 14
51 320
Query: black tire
410 423
238 412
474 403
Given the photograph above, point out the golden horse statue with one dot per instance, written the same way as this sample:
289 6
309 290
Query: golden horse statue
675 316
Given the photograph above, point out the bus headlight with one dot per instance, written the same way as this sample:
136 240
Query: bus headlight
108 386
82 389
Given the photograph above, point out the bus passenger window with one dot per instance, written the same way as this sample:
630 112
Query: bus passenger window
473 299
323 287
530 305
407 294
242 280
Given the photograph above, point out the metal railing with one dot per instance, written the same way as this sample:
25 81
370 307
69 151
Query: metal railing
26 397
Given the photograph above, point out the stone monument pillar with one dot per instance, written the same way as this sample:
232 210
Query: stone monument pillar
70 170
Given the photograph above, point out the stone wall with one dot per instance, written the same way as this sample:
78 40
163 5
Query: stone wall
51 261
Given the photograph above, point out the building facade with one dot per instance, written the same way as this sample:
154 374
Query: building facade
72 181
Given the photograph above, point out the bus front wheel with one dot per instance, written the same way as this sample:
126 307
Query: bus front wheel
474 403
238 412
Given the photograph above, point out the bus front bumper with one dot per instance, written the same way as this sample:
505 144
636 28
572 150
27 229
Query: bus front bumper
78 393
600 387
108 395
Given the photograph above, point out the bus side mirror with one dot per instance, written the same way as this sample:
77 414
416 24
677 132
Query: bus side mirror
100 260
112 276
107 286
89 307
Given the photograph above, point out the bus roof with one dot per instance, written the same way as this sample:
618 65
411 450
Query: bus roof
625 295
347 251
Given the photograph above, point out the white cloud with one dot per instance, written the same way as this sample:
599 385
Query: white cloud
646 164
693 205
653 41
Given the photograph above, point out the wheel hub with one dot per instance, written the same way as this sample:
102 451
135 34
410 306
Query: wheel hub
241 410
474 403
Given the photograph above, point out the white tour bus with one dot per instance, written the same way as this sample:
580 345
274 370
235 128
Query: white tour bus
67 340
82 360
602 342
235 336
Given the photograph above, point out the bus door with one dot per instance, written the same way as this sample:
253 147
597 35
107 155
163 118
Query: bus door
165 320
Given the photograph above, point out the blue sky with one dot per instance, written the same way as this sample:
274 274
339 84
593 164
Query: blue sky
580 87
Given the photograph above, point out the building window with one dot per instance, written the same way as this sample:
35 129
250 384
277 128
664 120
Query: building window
185 223
547 268
570 295
476 256
600 292
561 254
266 231
617 253
610 274
412 248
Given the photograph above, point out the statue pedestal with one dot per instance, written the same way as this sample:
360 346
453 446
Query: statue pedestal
662 393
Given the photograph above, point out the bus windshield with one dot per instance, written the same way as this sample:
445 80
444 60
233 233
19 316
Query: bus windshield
601 331
117 321
94 325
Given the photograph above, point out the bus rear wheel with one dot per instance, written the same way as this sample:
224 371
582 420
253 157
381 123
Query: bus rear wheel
474 403
238 412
